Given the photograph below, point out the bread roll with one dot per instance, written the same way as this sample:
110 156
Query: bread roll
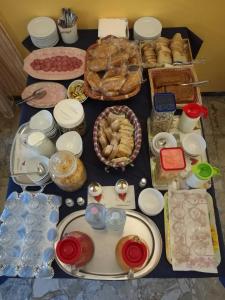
164 58
107 150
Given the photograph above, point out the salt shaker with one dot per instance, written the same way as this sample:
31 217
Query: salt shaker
121 188
95 190
95 215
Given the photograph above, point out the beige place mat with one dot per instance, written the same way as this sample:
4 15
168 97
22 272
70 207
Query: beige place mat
111 199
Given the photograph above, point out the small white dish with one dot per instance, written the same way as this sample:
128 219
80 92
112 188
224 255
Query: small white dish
70 141
75 91
193 144
151 202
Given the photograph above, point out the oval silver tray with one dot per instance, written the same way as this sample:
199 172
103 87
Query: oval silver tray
103 265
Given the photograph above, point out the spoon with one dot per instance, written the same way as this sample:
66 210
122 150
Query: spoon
36 95
161 143
40 171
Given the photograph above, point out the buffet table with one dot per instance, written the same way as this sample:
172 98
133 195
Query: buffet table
141 105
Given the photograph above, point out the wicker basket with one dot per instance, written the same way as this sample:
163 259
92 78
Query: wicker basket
97 95
137 134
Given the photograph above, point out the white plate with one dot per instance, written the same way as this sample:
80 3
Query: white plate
41 27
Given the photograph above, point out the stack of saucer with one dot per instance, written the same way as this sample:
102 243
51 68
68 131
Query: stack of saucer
43 32
44 121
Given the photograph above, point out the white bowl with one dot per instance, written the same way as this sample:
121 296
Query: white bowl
151 202
71 86
43 120
70 141
31 166
193 144
169 139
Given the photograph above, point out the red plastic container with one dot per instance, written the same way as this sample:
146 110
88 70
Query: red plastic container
76 248
170 164
132 253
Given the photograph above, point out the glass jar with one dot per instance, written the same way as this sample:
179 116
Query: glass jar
69 115
67 171
164 107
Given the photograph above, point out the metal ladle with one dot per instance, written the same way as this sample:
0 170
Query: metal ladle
40 171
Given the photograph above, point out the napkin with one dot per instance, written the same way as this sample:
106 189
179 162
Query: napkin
111 199
116 27
190 235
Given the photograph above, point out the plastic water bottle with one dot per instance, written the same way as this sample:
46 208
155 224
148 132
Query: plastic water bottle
115 219
95 215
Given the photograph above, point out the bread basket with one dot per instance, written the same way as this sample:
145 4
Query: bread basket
98 95
137 134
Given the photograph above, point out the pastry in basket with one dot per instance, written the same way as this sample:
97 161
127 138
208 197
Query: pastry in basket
97 64
149 55
133 80
111 59
178 48
116 137
94 80
112 84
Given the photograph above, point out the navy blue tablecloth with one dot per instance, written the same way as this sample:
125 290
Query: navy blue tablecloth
141 105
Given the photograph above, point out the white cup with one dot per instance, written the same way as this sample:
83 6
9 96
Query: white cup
69 35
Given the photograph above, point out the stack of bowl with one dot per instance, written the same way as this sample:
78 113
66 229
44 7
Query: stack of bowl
70 141
43 32
44 121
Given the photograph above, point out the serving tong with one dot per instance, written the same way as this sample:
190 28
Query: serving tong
37 94
194 84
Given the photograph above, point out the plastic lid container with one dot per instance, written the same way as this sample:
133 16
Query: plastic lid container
205 171
69 113
164 102
147 28
68 250
194 110
134 253
172 159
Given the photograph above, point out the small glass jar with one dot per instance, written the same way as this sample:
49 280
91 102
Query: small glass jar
164 107
69 115
67 171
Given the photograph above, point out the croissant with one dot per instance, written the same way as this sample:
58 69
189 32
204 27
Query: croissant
94 80
112 83
133 81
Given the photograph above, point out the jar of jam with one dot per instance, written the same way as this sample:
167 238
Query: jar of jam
69 115
67 171
132 253
75 248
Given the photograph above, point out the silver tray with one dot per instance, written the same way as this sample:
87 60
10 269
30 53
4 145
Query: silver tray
103 265
19 153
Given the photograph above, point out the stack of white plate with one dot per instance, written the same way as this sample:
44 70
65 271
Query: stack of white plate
44 121
43 32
